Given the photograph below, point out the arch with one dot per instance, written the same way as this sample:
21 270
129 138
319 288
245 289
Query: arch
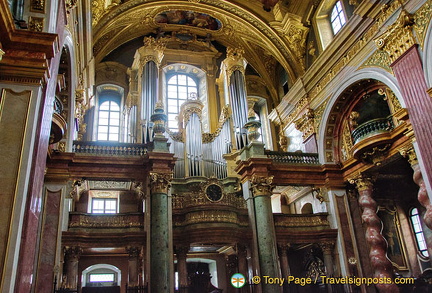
427 55
307 208
363 74
69 46
101 268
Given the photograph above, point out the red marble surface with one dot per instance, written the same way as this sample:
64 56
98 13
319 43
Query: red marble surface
30 236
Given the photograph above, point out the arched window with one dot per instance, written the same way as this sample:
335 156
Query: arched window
337 18
179 88
108 120
418 232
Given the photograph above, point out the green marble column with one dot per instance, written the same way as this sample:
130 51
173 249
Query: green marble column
161 256
265 231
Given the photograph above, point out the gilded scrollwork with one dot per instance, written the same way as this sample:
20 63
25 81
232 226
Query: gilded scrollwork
306 123
160 182
422 19
410 154
362 182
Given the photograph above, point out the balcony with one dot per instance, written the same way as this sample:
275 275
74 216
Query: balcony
301 222
373 139
293 158
129 222
372 128
106 148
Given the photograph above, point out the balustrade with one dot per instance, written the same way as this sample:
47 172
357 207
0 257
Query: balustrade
109 148
371 127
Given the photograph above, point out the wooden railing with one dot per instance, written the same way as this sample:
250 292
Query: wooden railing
107 221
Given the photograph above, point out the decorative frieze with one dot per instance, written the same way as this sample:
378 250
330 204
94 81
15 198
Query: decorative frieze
302 221
117 221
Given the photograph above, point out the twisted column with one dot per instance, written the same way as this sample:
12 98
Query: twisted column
422 195
383 268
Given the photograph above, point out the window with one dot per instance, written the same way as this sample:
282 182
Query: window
104 206
337 18
179 88
418 232
93 278
109 121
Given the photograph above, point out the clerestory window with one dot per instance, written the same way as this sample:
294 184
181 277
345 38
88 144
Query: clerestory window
179 88
337 18
418 232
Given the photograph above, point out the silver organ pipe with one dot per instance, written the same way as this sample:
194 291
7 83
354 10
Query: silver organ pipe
201 154
132 117
238 101
193 143
149 98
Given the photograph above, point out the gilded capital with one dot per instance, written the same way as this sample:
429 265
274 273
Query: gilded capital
160 182
262 185
362 182
398 38
410 154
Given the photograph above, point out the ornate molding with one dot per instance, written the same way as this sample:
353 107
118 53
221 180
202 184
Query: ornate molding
153 50
398 38
422 19
306 124
379 59
160 182
262 185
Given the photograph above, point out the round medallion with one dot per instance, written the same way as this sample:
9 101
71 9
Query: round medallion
214 192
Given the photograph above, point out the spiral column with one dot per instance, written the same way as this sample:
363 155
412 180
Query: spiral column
381 265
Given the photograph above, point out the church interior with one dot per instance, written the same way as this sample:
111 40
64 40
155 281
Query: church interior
203 146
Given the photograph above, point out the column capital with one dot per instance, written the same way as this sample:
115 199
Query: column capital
133 251
409 153
283 247
160 182
326 246
153 50
362 182
261 185
398 38
182 250
73 252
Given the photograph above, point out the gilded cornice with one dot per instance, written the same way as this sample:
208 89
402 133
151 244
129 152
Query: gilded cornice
138 19
398 38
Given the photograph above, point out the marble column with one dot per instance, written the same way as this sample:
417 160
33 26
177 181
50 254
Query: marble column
399 43
283 259
265 230
161 257
327 248
381 265
182 252
133 265
72 255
